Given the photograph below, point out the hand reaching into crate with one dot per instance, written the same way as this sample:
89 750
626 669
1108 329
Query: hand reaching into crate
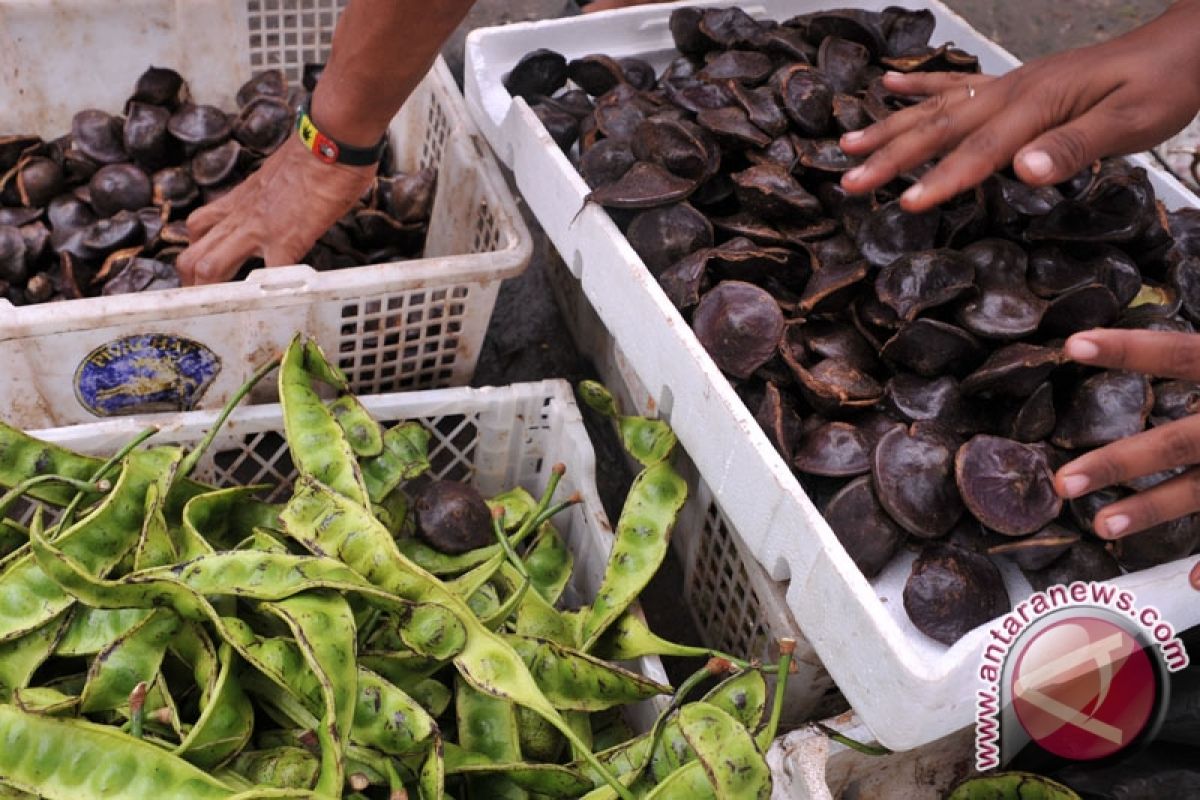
381 51
1049 119
1164 457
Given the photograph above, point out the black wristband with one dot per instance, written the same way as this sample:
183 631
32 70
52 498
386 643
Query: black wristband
330 150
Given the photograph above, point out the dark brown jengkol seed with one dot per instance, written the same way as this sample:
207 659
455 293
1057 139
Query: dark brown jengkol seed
835 449
643 185
1015 370
869 535
662 236
453 518
1003 306
740 325
1104 408
952 591
913 470
1039 550
919 281
161 87
1084 561
538 74
119 187
1006 485
1161 544
931 348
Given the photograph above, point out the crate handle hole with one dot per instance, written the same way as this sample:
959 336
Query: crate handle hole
283 285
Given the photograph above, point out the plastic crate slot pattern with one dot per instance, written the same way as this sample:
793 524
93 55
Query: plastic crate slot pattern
536 432
724 603
287 34
437 131
403 341
487 231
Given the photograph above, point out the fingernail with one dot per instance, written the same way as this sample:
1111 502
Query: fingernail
913 193
852 137
1082 349
1038 163
856 174
1075 485
1196 578
892 74
1115 525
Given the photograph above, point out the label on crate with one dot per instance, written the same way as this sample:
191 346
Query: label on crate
146 373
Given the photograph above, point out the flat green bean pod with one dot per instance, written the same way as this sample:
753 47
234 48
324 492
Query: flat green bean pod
550 563
487 726
23 457
727 752
629 638
647 440
226 718
279 767
223 517
64 759
547 780
1012 786
575 681
689 782
29 598
643 534
44 700
20 658
316 441
155 546
133 658
403 455
360 428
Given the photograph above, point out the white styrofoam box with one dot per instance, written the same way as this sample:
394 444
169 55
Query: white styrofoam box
1181 154
414 324
734 604
908 689
808 765
495 438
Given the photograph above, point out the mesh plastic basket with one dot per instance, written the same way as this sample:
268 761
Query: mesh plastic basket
494 438
415 324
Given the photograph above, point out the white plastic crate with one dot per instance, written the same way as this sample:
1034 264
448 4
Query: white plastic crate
494 438
414 324
808 765
908 689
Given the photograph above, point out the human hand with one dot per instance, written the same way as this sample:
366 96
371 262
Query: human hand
1050 118
276 214
1175 444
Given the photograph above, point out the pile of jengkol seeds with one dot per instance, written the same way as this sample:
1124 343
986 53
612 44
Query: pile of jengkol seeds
101 209
381 634
908 367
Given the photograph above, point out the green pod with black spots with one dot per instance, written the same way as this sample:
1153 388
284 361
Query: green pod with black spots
29 597
540 620
403 456
545 780
327 523
133 658
610 729
689 782
1012 786
361 430
155 546
387 719
487 726
21 657
431 779
393 512
469 583
224 517
323 627
264 541
65 759
431 695
539 739
403 668
630 638
513 587
23 457
315 440
434 631
726 751
647 440
45 700
278 767
743 696
485 601
575 681
642 537
226 720
549 563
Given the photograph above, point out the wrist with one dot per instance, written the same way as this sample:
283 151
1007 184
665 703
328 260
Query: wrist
342 121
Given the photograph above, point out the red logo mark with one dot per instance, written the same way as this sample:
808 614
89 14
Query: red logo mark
1083 688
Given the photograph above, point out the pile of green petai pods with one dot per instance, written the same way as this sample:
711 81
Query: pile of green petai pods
160 637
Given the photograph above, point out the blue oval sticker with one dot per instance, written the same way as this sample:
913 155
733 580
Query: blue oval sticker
146 373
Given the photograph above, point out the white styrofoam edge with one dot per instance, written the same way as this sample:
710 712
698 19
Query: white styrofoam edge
573 447
750 463
301 284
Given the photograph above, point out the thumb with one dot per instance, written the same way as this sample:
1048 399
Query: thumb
1064 151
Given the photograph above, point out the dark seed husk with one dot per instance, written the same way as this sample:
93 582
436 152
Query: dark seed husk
1006 485
263 124
200 125
1015 370
453 518
1161 544
662 236
952 591
1039 550
869 535
919 281
538 74
913 470
931 348
161 87
644 185
119 187
777 416
740 325
1084 561
835 449
1104 408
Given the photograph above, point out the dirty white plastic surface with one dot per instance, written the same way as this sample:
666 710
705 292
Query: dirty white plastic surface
412 324
808 765
493 438
907 688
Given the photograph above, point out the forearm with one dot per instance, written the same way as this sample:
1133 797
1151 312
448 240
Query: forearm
381 50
